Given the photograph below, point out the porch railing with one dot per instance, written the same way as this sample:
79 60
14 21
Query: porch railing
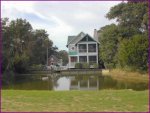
92 50
82 50
85 50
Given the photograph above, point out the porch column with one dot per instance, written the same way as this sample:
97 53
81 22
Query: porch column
77 48
97 58
87 48
69 62
87 45
78 58
87 59
97 48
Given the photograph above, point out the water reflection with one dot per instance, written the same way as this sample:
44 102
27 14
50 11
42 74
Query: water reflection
73 82
84 82
62 84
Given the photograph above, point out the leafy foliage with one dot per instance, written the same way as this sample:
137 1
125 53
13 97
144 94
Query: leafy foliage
78 65
109 43
134 53
85 65
131 17
22 46
62 54
95 65
126 44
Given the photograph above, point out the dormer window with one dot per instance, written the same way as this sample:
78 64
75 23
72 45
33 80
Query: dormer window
72 48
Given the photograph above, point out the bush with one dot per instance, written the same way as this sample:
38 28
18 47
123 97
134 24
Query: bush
133 53
78 65
110 65
95 65
21 63
37 66
85 65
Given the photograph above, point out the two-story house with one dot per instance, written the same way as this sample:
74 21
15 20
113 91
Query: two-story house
83 48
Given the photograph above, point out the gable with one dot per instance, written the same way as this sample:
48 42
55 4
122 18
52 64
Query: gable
87 39
80 37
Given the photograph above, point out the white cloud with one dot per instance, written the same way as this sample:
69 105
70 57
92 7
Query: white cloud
60 19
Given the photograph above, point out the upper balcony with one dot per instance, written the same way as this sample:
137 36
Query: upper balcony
87 48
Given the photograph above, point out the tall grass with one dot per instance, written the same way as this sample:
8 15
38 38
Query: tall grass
126 75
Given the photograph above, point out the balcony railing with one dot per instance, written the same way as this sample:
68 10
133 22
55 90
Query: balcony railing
92 50
85 50
82 50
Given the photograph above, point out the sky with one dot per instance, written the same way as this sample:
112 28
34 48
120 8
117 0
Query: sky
60 19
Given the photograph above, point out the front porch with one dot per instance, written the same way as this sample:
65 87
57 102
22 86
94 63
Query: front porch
82 59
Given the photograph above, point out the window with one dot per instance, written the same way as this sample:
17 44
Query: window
82 48
73 59
72 48
92 59
82 59
92 48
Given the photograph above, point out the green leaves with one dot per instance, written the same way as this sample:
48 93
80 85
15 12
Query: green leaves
131 17
108 44
62 54
134 53
126 44
23 46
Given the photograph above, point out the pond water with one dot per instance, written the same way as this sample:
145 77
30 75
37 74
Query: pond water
73 82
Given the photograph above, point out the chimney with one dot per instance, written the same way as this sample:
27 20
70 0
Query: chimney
95 34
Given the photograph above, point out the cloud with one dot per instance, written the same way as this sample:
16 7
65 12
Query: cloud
60 19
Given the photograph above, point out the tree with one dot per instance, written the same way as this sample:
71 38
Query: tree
120 44
40 44
64 56
132 18
21 32
108 45
22 46
15 37
133 53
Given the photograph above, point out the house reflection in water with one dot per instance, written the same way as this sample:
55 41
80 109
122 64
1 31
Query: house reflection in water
84 82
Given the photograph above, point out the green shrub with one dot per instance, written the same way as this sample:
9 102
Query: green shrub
110 66
133 53
85 65
78 65
37 66
95 65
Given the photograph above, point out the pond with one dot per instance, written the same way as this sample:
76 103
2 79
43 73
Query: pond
58 82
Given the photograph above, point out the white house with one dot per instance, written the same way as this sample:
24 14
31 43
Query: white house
83 48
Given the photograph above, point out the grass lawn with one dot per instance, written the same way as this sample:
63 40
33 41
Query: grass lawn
65 101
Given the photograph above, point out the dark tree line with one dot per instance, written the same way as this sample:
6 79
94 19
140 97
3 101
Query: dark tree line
125 45
23 46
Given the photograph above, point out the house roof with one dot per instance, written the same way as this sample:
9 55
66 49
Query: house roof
70 38
76 39
73 39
